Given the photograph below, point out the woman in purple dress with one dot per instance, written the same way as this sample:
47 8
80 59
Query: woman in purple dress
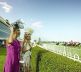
13 51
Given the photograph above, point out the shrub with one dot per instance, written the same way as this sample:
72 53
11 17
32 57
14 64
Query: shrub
45 61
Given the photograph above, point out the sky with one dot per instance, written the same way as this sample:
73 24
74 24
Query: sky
52 20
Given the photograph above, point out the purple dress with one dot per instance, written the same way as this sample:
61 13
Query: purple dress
12 57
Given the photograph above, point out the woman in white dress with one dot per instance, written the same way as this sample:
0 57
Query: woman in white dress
26 51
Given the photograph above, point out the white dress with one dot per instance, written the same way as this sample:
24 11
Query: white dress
26 55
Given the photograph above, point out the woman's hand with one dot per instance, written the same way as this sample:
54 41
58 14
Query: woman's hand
11 28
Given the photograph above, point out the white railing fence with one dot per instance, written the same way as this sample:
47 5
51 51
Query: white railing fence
64 51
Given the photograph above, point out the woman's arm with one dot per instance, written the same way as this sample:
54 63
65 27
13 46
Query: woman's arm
10 39
30 46
21 50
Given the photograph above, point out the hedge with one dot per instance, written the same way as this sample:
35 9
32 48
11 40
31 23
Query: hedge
45 61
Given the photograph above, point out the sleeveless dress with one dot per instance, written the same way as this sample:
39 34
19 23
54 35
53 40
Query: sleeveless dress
12 57
26 55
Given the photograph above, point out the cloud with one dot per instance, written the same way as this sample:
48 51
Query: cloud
6 6
37 25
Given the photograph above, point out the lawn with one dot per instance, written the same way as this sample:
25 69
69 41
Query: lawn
2 58
45 61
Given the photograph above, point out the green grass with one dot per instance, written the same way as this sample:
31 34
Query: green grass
2 58
45 61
